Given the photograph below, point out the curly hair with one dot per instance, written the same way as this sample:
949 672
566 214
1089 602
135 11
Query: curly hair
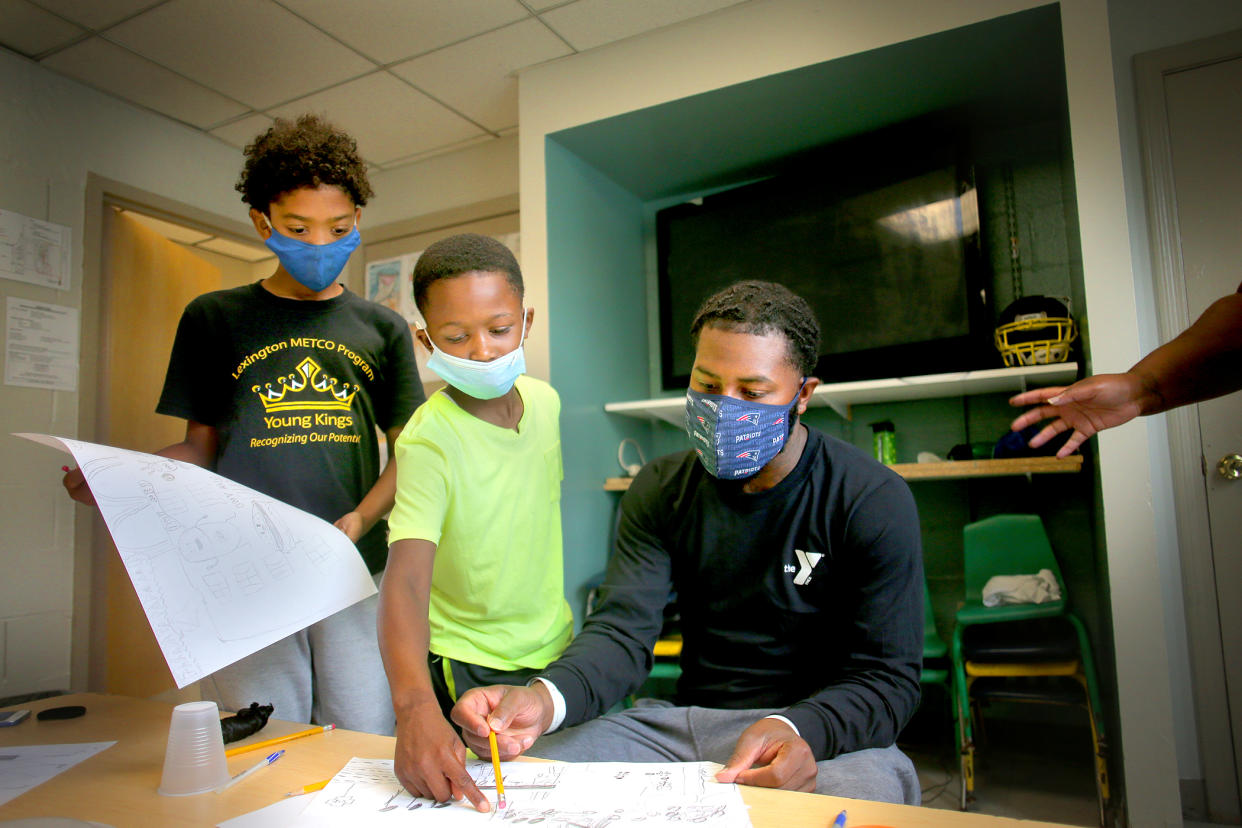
762 308
463 253
309 152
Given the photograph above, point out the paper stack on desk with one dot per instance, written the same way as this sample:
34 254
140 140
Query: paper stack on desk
551 794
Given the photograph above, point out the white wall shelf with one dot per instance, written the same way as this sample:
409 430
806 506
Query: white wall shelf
950 470
840 396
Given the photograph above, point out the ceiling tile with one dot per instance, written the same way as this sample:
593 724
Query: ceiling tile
97 14
441 150
389 30
228 247
243 131
167 229
475 77
590 23
30 30
388 118
110 68
250 50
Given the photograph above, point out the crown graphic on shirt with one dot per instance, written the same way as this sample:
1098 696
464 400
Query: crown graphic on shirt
306 389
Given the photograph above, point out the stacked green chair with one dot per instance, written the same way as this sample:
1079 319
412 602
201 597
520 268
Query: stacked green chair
936 659
1019 652
934 649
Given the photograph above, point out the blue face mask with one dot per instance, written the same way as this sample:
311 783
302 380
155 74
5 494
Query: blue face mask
315 266
481 380
736 438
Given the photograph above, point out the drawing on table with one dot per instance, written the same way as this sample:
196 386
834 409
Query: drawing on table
538 776
221 570
560 818
693 814
661 780
390 805
548 795
22 767
401 799
342 799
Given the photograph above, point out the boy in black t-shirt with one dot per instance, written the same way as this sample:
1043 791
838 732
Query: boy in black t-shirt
283 384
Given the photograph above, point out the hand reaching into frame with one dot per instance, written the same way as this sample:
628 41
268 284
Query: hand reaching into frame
1087 407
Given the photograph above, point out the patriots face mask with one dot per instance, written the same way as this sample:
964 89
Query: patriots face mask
481 380
736 438
315 266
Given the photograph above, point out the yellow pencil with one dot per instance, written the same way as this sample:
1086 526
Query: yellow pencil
311 788
278 740
500 785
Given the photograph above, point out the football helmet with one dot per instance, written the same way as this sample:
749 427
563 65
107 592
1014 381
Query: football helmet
1035 330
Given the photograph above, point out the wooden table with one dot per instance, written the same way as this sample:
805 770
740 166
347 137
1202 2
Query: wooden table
118 786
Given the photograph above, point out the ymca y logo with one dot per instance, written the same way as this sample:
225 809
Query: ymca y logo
806 563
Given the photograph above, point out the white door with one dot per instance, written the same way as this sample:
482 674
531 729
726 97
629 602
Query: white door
1204 117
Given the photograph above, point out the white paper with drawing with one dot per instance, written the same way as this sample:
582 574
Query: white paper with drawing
221 570
548 794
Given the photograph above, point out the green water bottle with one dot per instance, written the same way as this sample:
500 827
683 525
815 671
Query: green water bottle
884 442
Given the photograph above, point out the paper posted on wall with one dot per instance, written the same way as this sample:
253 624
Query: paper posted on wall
221 570
388 284
34 251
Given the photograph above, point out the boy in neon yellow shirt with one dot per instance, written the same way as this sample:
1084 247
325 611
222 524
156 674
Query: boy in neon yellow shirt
473 594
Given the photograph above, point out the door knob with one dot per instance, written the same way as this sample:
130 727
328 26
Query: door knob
1230 466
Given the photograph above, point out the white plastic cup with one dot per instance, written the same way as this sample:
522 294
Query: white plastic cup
194 759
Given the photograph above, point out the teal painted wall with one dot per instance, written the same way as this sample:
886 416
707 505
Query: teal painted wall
597 328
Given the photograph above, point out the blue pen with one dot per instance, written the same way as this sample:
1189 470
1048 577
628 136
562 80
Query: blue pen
839 822
252 769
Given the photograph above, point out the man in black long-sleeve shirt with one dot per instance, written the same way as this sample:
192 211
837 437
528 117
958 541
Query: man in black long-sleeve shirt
796 562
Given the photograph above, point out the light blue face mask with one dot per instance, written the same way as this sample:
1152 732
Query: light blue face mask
315 266
481 380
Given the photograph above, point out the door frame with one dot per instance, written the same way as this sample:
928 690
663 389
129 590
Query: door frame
1203 627
89 624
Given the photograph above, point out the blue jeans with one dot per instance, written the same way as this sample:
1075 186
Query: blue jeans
657 731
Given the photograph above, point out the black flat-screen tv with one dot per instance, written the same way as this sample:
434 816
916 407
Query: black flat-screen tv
884 247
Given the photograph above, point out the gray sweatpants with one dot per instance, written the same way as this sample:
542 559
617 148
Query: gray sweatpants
328 673
656 731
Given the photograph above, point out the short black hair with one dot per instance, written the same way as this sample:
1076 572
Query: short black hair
464 253
763 308
309 152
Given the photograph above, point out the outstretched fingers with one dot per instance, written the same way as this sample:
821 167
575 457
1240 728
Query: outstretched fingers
1035 395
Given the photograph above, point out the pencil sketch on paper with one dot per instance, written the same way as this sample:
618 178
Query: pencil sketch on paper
22 767
221 570
526 777
547 795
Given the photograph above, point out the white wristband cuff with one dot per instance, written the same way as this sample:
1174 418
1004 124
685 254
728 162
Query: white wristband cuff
780 718
558 703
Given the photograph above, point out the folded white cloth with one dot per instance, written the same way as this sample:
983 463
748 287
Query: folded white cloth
1039 588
